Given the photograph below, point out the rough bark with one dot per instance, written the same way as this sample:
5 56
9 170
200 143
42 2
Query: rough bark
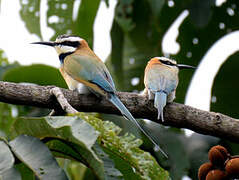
176 115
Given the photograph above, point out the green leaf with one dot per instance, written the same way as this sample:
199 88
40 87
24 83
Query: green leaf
37 157
26 173
109 167
77 135
126 147
7 170
6 157
30 14
37 73
225 90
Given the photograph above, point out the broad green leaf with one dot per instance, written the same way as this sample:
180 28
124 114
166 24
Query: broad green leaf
26 173
37 73
60 18
7 170
225 90
77 135
127 148
109 166
32 152
122 165
6 158
30 14
11 173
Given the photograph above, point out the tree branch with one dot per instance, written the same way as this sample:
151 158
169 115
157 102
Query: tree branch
176 115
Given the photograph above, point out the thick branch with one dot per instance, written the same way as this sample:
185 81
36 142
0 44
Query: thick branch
176 115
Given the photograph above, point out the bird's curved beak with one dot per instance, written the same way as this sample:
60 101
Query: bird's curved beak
183 66
49 43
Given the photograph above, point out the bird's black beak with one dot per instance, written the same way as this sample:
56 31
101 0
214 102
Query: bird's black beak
183 66
46 43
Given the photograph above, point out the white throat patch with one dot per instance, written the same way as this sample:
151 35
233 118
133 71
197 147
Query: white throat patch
64 49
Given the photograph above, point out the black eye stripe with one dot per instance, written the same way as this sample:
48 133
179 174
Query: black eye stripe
69 43
167 62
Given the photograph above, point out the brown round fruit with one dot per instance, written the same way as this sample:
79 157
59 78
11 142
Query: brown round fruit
218 155
203 170
232 167
216 175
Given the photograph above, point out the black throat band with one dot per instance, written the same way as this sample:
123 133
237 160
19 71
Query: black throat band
62 56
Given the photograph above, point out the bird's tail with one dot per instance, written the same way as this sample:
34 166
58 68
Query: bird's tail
125 112
160 101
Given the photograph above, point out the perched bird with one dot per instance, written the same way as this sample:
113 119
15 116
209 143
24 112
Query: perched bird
79 64
161 81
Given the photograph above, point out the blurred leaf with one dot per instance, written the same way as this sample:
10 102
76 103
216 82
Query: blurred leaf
201 18
85 20
37 73
4 64
127 148
60 18
30 14
107 3
225 90
195 41
156 7
6 119
197 150
123 15
3 58
37 157
7 170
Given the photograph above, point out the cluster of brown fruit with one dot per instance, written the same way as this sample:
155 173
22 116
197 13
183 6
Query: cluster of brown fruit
222 165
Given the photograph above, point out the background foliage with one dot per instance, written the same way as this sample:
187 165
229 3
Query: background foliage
136 35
